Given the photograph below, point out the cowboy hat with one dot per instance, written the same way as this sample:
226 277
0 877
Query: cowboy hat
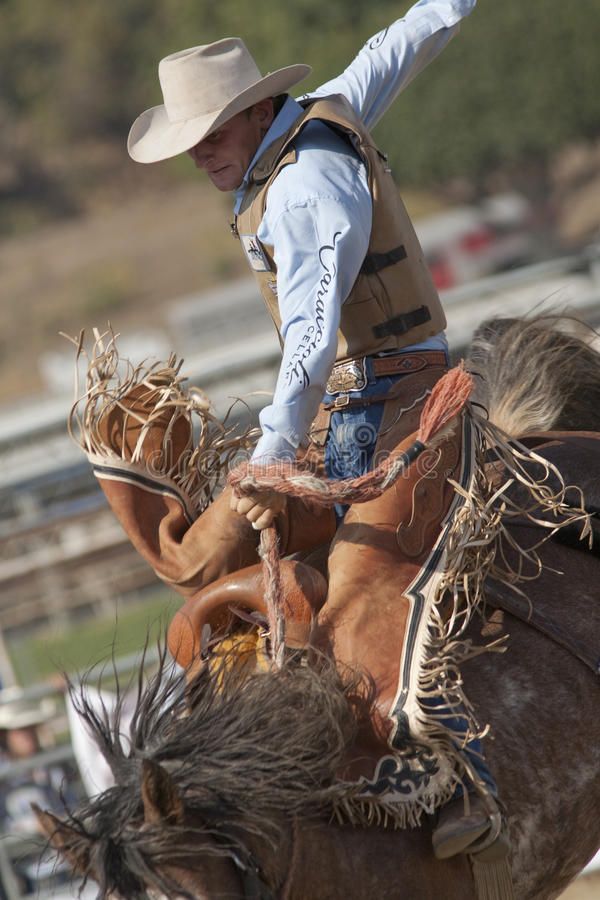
202 88
18 712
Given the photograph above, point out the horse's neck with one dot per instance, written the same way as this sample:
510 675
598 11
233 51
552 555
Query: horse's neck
276 860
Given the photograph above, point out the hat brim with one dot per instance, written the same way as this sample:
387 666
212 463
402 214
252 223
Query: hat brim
153 137
14 716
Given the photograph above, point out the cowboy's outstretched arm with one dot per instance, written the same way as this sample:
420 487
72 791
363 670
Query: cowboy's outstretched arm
389 60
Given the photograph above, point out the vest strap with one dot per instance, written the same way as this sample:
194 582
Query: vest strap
374 262
402 323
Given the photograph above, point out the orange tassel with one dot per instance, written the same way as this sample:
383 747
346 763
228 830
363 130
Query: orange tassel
447 399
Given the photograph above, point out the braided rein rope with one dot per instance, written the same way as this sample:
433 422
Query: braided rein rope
446 401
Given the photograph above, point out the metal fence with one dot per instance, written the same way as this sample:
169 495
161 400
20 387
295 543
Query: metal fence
28 851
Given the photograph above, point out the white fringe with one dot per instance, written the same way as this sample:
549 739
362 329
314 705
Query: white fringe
197 471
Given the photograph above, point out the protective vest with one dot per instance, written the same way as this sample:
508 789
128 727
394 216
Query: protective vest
393 302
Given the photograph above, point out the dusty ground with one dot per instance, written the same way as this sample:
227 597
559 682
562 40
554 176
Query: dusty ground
120 261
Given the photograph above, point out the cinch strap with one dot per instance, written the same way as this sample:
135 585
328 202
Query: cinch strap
402 323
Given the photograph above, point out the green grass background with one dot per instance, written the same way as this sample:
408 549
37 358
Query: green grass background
91 641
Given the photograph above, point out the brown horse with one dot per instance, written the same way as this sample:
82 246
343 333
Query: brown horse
231 798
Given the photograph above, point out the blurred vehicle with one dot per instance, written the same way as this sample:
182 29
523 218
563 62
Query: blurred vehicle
470 242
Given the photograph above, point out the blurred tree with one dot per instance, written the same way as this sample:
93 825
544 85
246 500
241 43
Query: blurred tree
518 83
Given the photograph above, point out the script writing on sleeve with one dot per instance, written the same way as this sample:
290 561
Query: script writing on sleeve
378 40
296 367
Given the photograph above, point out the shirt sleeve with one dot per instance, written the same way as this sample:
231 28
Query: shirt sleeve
321 244
390 60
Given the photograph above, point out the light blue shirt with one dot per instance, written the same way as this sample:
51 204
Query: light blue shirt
319 213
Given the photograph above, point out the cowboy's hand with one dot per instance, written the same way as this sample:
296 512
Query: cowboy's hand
261 508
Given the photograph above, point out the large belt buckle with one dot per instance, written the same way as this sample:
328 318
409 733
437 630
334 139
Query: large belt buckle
347 376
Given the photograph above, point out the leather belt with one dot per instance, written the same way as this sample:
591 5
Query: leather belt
351 375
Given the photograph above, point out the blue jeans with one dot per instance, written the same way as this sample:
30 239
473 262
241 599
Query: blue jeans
348 454
353 432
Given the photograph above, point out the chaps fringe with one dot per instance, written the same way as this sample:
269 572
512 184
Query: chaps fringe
179 445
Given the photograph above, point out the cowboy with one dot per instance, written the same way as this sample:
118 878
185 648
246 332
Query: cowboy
331 245
342 276
50 786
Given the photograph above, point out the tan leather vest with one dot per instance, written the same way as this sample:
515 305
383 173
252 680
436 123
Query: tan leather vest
393 302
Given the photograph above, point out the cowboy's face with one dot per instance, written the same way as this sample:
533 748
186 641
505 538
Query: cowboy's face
226 153
22 742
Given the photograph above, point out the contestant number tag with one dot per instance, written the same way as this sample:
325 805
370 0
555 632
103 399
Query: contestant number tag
255 253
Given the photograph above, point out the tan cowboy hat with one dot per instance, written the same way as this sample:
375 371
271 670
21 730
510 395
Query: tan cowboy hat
202 88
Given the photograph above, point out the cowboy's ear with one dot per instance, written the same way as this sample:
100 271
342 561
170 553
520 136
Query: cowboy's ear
264 111
66 840
161 799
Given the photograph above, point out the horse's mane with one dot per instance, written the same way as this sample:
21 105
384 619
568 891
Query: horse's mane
239 749
537 376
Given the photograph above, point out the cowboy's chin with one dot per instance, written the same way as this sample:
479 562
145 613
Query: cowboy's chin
225 179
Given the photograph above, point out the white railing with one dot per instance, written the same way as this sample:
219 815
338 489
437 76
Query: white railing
568 282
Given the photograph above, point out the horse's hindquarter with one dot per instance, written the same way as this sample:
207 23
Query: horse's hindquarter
542 701
544 750
543 705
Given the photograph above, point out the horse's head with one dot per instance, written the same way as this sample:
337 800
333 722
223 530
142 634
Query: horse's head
212 764
164 852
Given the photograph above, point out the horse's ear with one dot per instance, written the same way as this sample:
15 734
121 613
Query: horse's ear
66 840
161 799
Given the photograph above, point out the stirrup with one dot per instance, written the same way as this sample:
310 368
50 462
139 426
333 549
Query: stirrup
495 829
486 836
495 845
454 833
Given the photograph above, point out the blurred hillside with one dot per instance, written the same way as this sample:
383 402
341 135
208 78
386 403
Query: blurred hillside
86 235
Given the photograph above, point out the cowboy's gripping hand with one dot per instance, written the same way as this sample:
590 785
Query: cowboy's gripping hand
260 508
